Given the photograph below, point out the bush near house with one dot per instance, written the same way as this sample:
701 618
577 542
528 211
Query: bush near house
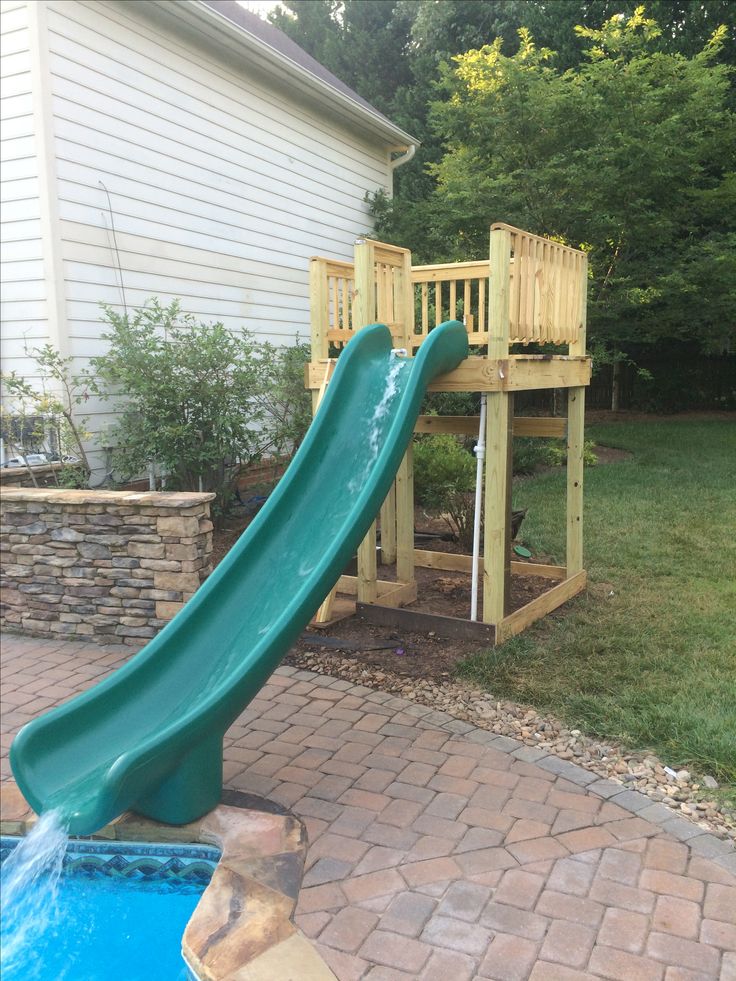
197 400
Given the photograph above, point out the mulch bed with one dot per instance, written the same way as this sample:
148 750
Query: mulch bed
408 654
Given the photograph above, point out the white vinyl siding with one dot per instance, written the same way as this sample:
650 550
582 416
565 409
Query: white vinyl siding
23 306
221 189
221 184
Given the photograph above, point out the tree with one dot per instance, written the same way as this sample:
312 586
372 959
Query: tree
363 42
392 52
617 135
630 155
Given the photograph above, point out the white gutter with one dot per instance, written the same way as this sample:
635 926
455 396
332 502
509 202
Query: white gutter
268 58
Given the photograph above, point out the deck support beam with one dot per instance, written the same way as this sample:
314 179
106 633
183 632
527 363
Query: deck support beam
405 518
499 441
576 446
388 528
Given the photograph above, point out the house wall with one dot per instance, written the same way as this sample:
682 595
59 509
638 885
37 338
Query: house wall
23 304
220 186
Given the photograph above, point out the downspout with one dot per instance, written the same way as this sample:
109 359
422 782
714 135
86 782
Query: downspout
403 158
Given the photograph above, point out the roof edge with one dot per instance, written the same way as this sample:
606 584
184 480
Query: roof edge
200 13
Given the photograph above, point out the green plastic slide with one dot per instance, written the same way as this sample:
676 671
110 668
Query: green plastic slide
149 737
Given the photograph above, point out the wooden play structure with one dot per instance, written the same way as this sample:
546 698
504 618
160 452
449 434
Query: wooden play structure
530 291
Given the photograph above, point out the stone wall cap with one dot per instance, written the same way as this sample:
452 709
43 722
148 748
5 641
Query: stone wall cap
10 474
156 499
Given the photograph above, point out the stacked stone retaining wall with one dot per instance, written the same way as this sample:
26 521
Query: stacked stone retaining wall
115 565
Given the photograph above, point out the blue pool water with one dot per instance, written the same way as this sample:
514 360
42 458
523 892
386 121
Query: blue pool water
117 913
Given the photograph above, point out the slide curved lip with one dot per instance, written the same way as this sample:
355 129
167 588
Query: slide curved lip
445 347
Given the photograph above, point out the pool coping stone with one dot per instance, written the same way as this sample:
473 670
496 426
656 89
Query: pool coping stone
242 928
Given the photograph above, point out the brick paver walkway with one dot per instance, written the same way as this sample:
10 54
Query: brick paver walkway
439 851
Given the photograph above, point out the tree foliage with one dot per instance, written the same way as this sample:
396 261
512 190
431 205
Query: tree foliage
586 120
623 156
44 417
629 155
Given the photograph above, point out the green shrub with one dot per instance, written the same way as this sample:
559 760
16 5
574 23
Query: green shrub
286 403
197 399
531 453
451 404
444 482
444 475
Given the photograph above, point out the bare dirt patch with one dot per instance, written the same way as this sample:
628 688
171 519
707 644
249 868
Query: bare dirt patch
405 654
609 454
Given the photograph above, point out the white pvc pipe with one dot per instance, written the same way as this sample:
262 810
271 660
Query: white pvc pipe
480 455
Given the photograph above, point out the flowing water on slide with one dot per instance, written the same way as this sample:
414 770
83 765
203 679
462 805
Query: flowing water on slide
376 425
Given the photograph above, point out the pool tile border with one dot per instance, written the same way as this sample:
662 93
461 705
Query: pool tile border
241 929
134 860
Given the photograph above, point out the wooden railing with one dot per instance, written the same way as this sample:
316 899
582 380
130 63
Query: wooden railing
546 289
392 299
332 295
457 291
546 295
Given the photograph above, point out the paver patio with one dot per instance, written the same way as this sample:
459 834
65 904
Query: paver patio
440 851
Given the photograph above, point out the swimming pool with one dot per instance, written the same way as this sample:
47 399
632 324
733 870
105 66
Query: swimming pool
119 912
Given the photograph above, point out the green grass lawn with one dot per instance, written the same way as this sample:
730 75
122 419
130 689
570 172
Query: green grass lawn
648 655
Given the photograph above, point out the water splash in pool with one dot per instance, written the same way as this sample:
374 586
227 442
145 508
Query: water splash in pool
30 882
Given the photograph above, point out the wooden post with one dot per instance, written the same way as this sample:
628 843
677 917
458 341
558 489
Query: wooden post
399 505
575 445
368 568
405 518
364 300
364 313
404 302
497 507
319 315
499 431
388 528
324 613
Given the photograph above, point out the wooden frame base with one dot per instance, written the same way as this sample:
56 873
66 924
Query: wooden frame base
452 562
451 628
390 594
455 628
520 619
